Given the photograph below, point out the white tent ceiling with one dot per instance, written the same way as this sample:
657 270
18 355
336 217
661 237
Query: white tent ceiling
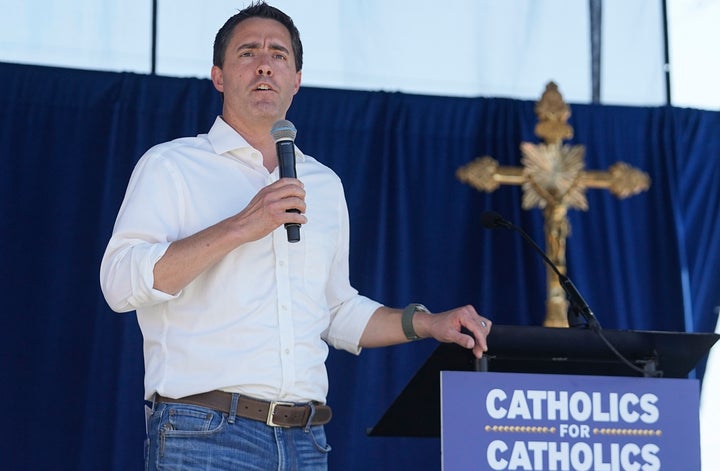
508 48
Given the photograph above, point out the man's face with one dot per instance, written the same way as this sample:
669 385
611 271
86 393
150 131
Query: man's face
258 78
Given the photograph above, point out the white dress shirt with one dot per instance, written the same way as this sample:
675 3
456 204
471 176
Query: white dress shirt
257 322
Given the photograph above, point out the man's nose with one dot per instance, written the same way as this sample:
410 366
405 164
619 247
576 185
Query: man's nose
264 65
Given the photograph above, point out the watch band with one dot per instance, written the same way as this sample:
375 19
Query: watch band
407 317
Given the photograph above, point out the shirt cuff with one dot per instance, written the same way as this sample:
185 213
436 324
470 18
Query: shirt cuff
348 324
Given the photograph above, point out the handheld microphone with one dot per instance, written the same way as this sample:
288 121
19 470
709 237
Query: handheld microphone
492 220
283 133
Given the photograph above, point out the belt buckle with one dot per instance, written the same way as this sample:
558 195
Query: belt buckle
273 404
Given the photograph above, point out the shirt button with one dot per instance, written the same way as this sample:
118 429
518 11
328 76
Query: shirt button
283 307
281 263
287 351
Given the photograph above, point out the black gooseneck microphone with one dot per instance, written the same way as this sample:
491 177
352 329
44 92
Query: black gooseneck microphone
283 133
492 220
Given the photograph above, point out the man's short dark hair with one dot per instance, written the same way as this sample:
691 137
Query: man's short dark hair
256 10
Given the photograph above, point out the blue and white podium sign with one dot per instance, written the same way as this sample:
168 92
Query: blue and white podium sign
518 421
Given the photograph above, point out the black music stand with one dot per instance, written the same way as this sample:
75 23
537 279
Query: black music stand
533 349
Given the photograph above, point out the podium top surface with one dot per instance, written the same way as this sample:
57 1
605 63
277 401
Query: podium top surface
544 350
535 349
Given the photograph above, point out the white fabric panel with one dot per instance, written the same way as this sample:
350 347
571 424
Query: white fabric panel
83 34
694 59
710 409
633 55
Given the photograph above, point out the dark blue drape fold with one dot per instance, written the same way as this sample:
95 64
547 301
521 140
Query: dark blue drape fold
69 140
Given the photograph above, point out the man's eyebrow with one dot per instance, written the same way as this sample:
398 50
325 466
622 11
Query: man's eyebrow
253 45
256 45
279 47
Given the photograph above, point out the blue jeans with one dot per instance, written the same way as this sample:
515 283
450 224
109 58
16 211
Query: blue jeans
188 438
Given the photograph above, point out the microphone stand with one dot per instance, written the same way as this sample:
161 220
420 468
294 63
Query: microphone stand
578 311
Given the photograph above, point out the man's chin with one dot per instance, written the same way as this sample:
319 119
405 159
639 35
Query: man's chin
269 111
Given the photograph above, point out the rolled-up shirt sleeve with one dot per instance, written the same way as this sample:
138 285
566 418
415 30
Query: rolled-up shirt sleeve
142 234
126 275
350 312
348 323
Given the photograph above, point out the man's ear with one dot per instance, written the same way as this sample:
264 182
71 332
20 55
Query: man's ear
298 80
216 74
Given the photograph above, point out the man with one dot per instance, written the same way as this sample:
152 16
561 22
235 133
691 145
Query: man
236 320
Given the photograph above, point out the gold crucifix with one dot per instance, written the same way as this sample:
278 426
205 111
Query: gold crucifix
553 179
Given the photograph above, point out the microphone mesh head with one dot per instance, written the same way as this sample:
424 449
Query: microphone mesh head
283 130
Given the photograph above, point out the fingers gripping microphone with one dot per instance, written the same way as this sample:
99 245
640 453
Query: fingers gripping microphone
283 133
492 220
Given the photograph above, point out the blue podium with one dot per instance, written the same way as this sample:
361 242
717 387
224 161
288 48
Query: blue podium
528 367
519 421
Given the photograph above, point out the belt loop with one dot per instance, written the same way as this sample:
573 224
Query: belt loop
310 417
154 401
233 407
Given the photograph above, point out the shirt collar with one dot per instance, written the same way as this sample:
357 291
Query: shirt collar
223 138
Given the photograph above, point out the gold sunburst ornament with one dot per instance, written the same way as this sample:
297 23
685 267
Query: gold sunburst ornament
553 175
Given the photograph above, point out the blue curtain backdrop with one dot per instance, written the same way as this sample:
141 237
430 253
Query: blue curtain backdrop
72 369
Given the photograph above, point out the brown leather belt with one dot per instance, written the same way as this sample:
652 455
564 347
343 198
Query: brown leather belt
275 413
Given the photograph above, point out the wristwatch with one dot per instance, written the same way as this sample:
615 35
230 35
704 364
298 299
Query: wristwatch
407 317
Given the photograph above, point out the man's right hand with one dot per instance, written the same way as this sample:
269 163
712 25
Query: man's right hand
186 258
